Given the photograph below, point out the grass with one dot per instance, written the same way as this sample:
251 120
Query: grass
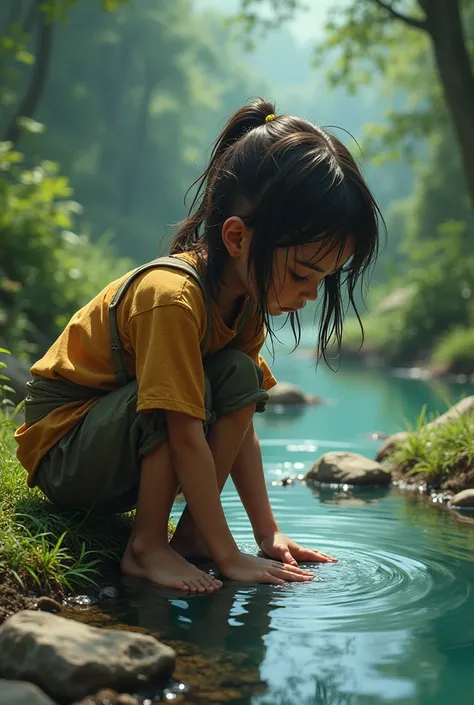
441 453
44 549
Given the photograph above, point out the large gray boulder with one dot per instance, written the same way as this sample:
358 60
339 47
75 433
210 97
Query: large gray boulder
69 660
463 408
286 393
465 498
348 469
22 693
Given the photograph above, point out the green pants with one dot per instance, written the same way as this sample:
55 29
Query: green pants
96 466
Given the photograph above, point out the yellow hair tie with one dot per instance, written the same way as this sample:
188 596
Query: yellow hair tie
270 117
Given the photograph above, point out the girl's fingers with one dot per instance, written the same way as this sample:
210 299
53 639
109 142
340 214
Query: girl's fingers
291 576
290 569
285 555
307 554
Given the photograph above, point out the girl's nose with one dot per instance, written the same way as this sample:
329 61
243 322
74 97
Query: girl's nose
310 294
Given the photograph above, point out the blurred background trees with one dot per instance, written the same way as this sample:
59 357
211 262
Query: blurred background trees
113 105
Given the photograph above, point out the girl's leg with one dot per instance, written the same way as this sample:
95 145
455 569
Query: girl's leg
225 439
113 461
236 384
148 554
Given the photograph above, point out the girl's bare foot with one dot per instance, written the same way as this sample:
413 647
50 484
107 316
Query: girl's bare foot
163 566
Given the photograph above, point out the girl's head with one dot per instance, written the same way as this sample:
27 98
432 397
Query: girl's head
285 202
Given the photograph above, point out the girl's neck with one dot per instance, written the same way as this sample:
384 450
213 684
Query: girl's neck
231 294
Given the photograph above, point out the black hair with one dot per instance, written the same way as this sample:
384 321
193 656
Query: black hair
292 183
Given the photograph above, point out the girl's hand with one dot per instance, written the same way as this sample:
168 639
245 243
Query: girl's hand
280 547
253 569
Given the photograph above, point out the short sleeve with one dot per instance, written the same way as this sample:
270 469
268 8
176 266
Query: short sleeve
169 369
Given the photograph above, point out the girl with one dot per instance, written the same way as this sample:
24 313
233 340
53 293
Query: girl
154 383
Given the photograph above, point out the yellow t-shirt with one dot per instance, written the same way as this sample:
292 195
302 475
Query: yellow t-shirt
161 321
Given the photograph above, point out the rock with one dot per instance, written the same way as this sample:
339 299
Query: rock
286 393
348 468
70 660
22 693
108 593
126 699
463 499
463 408
47 604
390 445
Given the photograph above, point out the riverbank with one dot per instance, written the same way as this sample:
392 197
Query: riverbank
450 357
437 454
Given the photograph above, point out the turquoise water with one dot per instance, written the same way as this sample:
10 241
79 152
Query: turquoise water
392 622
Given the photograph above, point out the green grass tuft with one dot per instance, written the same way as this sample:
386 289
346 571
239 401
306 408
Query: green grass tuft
439 452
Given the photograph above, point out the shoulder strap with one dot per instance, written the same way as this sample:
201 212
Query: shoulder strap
116 347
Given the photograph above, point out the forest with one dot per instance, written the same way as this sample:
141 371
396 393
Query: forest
108 110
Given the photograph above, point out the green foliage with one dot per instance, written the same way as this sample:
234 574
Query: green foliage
455 350
47 271
130 120
437 451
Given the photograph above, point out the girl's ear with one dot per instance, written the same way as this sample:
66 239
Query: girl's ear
235 236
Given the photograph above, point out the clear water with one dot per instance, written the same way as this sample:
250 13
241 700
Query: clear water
392 622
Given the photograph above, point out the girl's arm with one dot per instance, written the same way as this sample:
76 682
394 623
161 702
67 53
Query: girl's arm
194 465
249 480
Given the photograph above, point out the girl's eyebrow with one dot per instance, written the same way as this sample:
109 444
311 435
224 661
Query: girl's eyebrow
311 265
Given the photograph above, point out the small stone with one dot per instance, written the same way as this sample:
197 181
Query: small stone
22 693
109 593
47 604
390 446
106 696
465 498
285 393
126 699
348 469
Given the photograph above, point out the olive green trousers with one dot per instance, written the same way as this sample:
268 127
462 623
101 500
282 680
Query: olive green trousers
96 466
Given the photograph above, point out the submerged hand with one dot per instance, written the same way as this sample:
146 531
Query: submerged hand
282 548
243 566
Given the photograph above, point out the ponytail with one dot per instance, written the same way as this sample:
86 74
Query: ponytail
242 121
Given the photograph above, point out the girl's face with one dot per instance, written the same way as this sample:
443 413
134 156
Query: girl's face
299 271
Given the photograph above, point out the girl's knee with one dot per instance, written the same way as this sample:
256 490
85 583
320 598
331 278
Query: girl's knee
236 382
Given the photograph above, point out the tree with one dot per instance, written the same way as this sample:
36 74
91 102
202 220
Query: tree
365 31
28 23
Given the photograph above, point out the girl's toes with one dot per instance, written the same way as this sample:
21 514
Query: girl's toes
205 584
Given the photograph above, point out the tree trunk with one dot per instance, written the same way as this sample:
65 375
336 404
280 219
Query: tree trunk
30 101
444 25
131 171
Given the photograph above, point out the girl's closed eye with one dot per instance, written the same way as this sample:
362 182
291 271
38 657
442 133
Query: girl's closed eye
296 277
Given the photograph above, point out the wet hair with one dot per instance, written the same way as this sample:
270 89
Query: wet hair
293 183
